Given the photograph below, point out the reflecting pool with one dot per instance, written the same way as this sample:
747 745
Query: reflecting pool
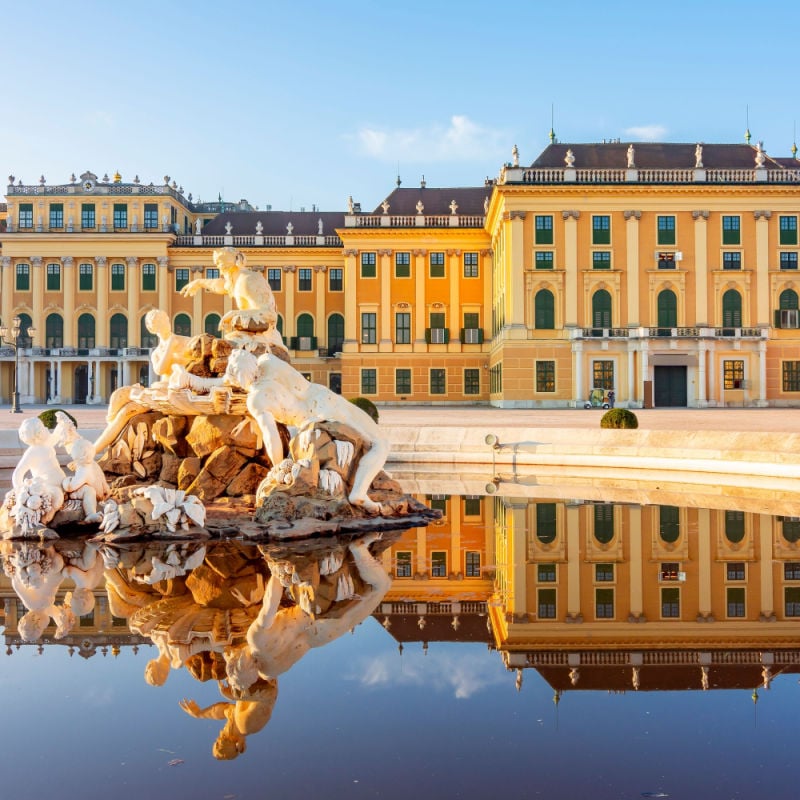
541 641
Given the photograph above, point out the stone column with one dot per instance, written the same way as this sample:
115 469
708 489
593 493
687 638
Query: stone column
37 285
711 372
320 310
455 538
197 302
134 285
763 317
701 268
632 394
101 328
515 270
422 551
577 360
164 284
702 357
704 561
636 598
571 268
350 307
762 373
517 542
765 522
454 278
632 266
6 290
384 275
486 264
70 323
289 288
420 309
573 524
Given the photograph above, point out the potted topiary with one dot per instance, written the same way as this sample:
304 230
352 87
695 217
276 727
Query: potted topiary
619 418
48 417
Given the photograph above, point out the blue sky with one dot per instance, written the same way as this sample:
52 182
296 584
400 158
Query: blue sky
304 103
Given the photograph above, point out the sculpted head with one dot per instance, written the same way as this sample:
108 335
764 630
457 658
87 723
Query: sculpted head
228 259
157 322
81 601
242 369
33 431
31 626
82 451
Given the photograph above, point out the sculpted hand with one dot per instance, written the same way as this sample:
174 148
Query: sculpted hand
190 707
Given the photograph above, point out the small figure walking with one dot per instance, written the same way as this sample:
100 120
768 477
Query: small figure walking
611 397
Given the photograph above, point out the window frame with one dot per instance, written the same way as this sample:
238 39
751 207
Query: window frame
436 264
53 279
335 279
666 229
545 376
402 264
369 264
601 229
117 282
369 327
437 381
471 264
543 229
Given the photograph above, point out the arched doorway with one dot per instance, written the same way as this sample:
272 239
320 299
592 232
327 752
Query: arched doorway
81 384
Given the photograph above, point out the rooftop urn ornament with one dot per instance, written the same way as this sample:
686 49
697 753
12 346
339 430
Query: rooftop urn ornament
760 154
259 228
166 180
105 178
631 162
698 156
42 180
453 207
289 228
385 206
228 228
569 159
117 177
515 155
136 179
11 180
72 178
420 207
174 184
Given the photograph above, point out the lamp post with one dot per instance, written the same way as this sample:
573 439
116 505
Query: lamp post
15 332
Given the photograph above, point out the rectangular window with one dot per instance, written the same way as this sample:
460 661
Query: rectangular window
335 280
666 261
543 229
670 603
788 230
791 596
604 573
85 277
437 265
733 373
545 376
369 381
472 381
734 571
87 215
304 280
735 601
54 277
438 502
791 570
543 259
546 573
670 571
666 230
274 277
788 260
120 215
369 327
470 265
731 230
546 603
403 564
150 216
439 564
56 215
603 375
402 327
731 260
402 381
23 277
117 277
473 506
601 229
212 274
473 564
25 215
181 278
148 277
472 320
601 259
604 603
437 319
791 376
368 268
402 265
438 382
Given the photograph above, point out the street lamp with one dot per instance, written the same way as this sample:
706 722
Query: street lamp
15 332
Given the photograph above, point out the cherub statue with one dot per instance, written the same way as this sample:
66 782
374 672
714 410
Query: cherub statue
277 392
172 348
87 483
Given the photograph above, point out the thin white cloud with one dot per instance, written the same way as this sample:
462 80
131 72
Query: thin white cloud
103 118
647 133
464 676
460 140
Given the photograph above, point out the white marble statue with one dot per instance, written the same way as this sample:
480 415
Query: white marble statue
569 159
172 348
88 483
761 156
198 226
631 162
698 156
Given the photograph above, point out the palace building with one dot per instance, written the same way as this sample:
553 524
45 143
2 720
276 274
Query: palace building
667 273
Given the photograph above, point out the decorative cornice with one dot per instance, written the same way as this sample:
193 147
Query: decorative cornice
196 269
632 215
402 305
419 252
762 213
384 252
290 268
570 214
453 252
517 214
350 252
320 268
698 214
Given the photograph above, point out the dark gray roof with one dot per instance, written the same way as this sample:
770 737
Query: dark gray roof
652 155
274 223
469 199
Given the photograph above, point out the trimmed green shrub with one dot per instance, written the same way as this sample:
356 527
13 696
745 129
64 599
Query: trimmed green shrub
619 418
367 406
48 417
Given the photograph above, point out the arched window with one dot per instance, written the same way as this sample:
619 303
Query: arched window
211 325
144 376
731 309
603 523
85 331
118 330
734 526
305 325
279 325
145 337
182 325
669 523
335 333
544 310
601 309
546 522
54 331
667 310
25 322
788 299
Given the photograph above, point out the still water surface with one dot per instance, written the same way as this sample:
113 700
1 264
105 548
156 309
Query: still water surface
463 680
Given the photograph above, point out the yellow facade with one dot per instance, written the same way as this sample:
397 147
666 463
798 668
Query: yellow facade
668 282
